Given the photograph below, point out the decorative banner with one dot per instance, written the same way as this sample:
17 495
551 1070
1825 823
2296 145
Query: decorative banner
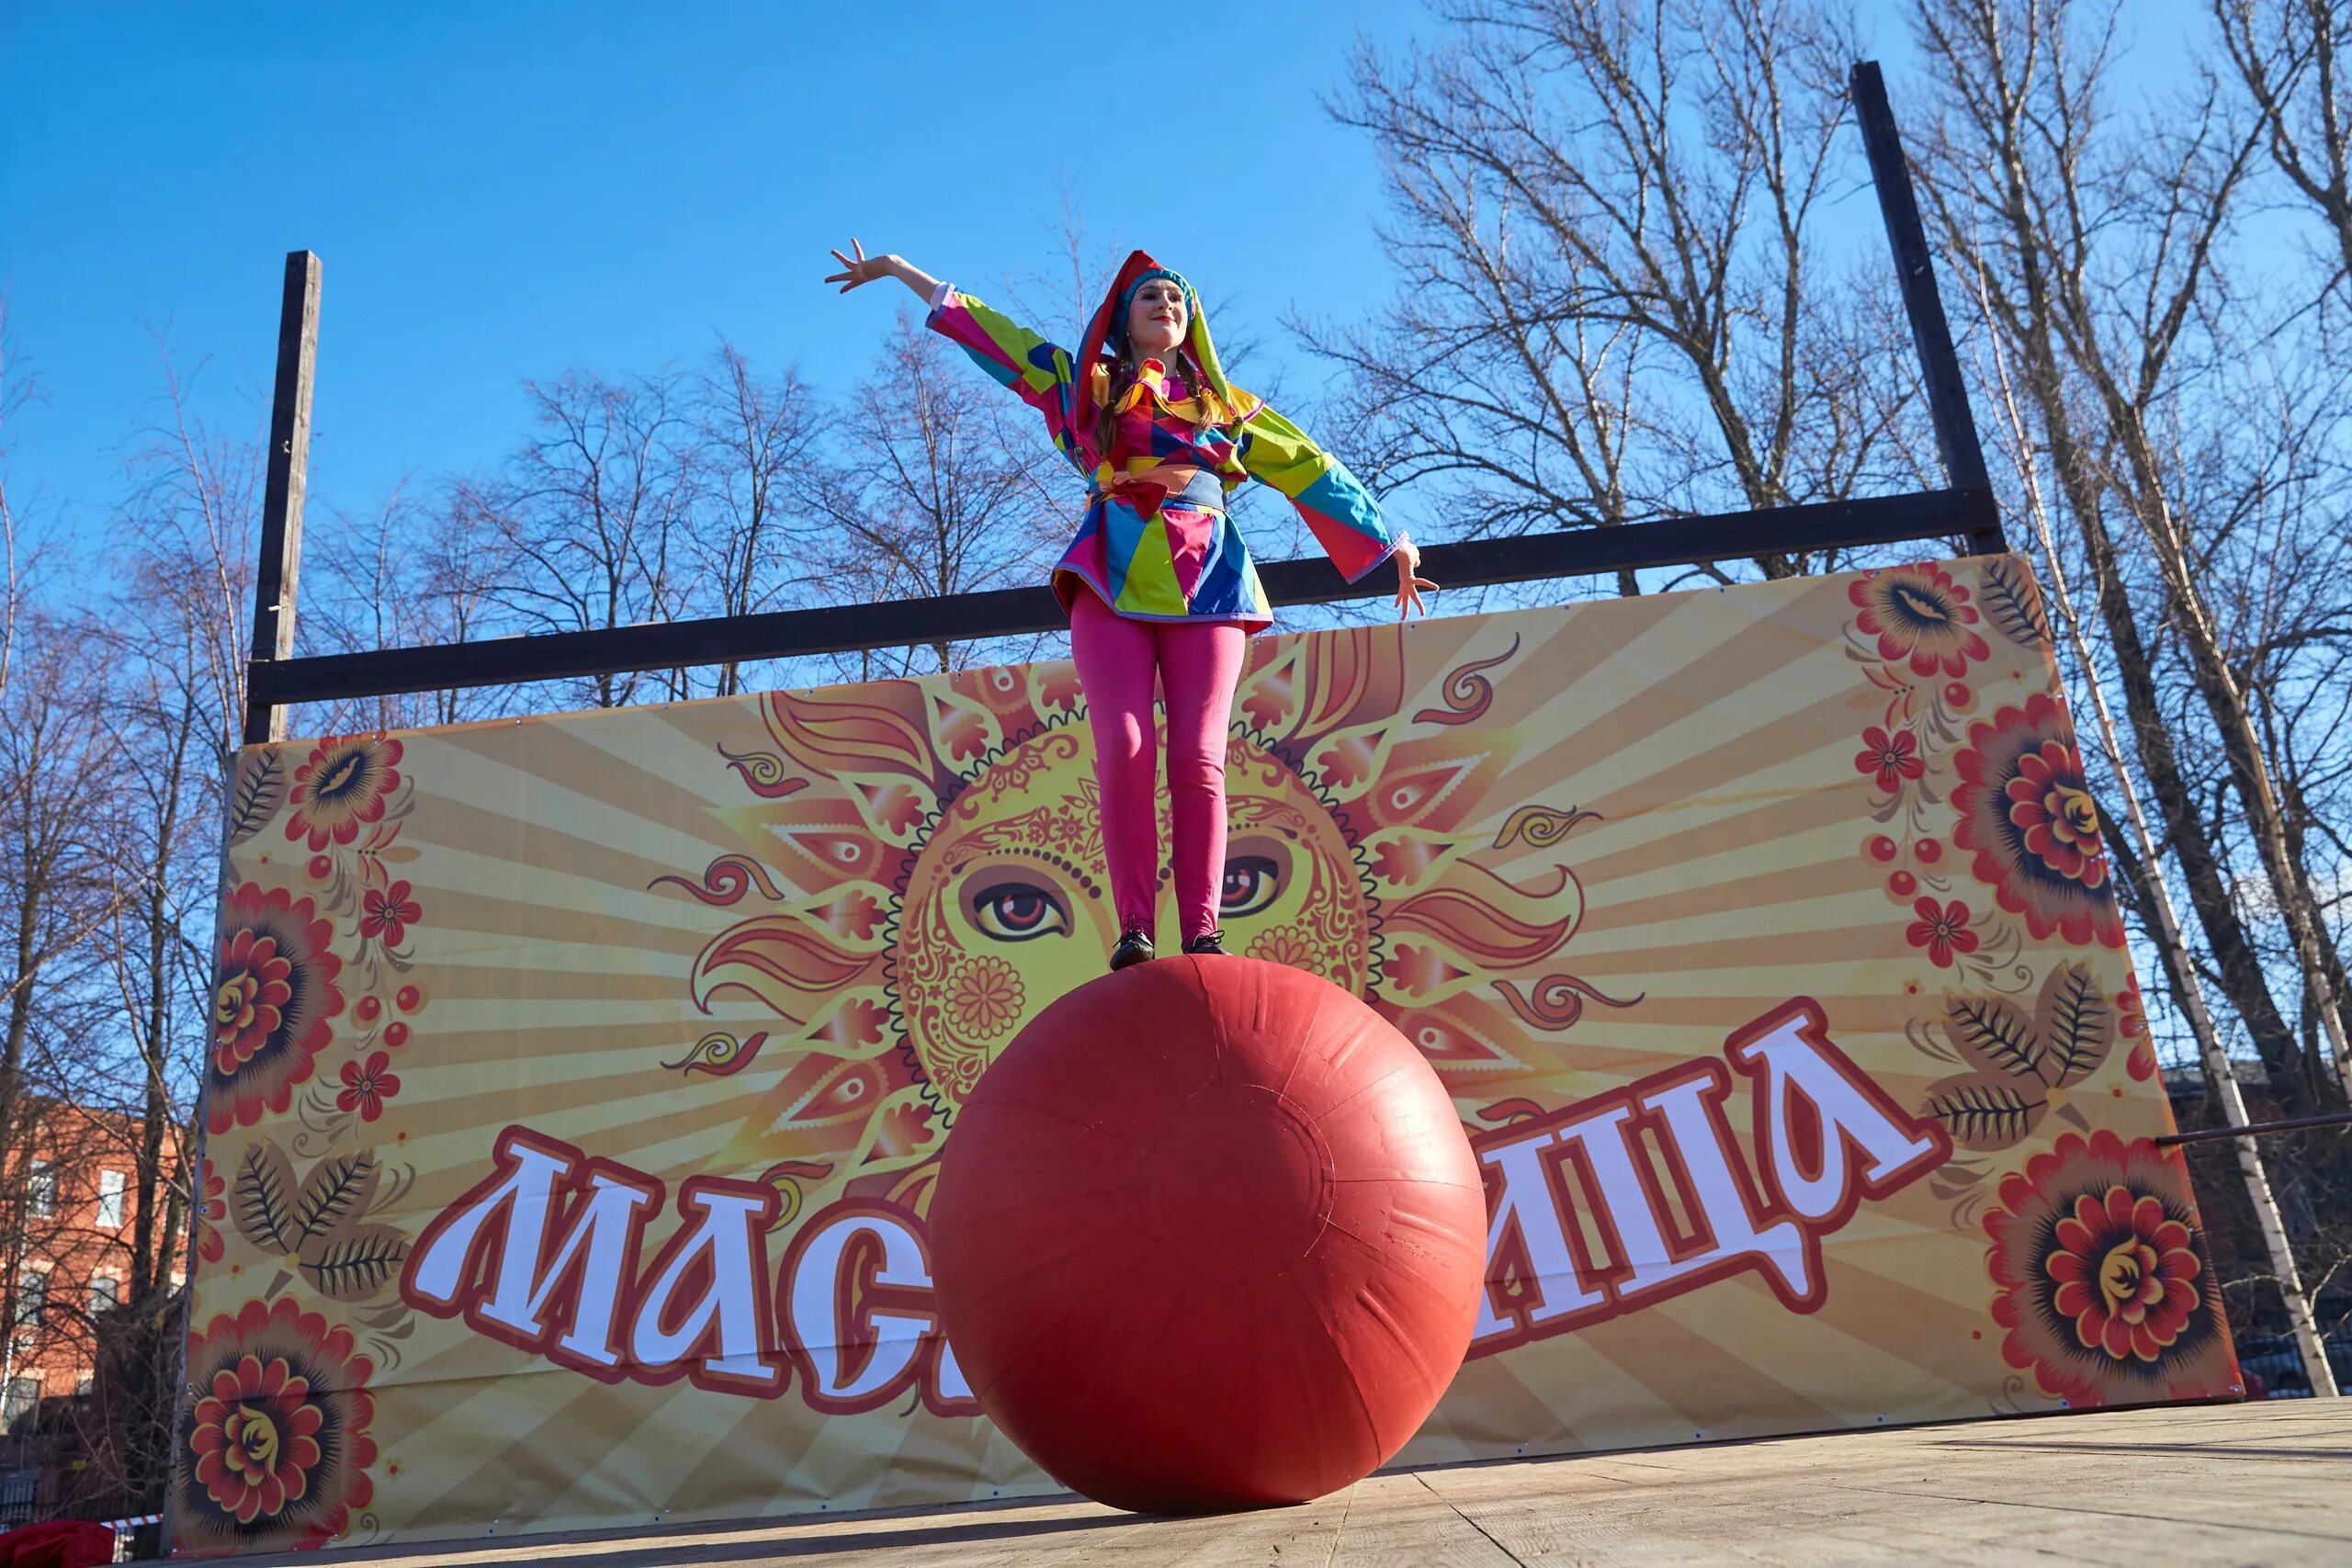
577 1084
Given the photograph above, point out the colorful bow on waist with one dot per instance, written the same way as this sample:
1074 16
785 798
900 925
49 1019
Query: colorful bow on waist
1147 496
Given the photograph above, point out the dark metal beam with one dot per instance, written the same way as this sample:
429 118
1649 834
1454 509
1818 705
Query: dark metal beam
1932 514
1915 267
281 505
2259 1129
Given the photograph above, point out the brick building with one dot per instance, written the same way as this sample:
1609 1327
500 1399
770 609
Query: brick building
67 1230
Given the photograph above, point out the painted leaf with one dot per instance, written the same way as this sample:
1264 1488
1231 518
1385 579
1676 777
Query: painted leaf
2013 603
262 1199
255 793
2075 1025
355 1264
1993 1035
335 1195
1984 1113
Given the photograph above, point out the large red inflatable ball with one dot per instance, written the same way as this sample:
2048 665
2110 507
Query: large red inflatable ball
1208 1237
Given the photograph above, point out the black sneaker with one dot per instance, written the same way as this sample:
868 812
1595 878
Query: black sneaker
1134 948
1207 942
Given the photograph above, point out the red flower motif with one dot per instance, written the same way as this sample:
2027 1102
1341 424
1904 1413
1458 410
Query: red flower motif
2025 812
1893 758
1920 613
212 1213
2131 1010
1942 930
1060 687
1404 860
2126 1274
342 788
853 915
2094 1256
365 1087
249 1001
904 1126
2132 1023
273 1449
386 913
273 992
985 995
1268 702
1417 970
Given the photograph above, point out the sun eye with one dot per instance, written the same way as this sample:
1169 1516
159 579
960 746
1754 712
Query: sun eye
1018 911
1251 882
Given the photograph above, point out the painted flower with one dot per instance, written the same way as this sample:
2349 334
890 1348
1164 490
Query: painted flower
212 1213
1920 613
1942 930
985 997
386 913
1405 861
274 1448
1418 970
2099 1277
1060 687
1287 945
366 1086
2132 1023
274 990
1893 758
342 788
2025 812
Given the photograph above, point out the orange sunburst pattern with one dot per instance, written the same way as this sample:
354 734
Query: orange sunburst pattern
577 1084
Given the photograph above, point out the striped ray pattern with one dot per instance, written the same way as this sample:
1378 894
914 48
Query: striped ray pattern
1572 853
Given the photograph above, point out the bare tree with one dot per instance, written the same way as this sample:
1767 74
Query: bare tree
594 515
937 483
2287 58
1611 307
758 435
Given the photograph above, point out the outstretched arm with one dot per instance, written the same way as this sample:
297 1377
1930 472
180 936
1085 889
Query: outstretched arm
862 268
1336 508
1026 363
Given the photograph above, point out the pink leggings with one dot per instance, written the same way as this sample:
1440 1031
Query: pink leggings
1198 663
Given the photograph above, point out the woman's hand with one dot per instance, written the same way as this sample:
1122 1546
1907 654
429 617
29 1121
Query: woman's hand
1409 581
860 269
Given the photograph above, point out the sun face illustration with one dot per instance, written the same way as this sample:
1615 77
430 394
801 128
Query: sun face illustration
924 863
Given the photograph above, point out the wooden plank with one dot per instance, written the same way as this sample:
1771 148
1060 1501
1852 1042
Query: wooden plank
287 477
786 634
1915 268
2214 1484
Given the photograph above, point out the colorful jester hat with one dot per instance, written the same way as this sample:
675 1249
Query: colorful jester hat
1107 334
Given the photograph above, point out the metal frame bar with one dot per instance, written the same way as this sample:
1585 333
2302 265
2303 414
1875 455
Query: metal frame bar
282 491
1915 269
963 617
275 679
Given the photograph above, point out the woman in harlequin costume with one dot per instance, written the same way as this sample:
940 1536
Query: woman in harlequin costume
1158 582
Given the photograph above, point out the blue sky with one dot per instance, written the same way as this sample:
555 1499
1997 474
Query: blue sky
504 192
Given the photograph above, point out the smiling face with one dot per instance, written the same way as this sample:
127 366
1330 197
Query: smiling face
1157 317
928 863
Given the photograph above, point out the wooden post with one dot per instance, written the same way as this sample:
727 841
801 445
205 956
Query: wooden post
1915 267
281 506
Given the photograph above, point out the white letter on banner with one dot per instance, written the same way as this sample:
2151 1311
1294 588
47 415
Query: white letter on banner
1704 1146
1791 1057
523 1194
606 1224
816 1286
731 1233
1626 1202
1525 1204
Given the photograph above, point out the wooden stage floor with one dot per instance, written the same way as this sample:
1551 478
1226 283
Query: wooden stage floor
2214 1484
